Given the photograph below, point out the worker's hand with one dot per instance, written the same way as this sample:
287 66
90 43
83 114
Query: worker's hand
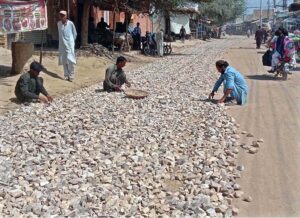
43 99
128 84
221 101
211 95
50 99
118 88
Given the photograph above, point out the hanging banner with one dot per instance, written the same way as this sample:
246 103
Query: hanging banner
22 16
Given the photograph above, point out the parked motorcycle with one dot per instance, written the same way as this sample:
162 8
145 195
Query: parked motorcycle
150 47
149 44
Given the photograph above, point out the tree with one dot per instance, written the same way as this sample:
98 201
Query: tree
169 5
85 22
222 11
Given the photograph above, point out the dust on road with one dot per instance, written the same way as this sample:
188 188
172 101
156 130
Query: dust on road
272 176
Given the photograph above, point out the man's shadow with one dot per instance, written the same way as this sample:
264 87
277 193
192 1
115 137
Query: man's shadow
214 101
263 77
54 75
5 71
15 101
100 90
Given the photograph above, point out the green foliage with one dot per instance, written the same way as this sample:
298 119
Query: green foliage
222 11
165 5
158 5
168 5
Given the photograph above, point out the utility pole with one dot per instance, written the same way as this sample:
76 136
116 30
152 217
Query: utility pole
274 12
284 5
260 12
68 8
269 5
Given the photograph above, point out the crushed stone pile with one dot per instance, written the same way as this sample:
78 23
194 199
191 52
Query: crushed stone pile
94 153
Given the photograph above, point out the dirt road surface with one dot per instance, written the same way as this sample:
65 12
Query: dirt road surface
272 177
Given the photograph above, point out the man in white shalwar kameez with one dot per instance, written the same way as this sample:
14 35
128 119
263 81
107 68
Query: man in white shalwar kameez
67 36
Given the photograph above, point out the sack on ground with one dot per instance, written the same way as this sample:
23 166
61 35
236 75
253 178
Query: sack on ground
267 58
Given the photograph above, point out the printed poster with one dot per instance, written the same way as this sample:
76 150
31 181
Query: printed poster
22 16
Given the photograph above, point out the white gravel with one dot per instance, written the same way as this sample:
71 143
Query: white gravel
97 154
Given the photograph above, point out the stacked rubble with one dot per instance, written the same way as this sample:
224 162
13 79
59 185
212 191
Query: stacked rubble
94 50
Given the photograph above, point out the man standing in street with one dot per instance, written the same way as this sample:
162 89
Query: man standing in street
137 32
115 77
248 33
265 36
259 36
67 37
182 34
30 86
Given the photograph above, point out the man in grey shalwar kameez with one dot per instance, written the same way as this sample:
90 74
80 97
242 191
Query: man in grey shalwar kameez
115 77
67 36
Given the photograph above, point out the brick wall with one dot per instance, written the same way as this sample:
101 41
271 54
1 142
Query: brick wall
98 14
143 19
118 18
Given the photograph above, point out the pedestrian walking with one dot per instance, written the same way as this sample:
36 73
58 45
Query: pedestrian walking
265 36
235 86
259 35
67 36
248 33
182 34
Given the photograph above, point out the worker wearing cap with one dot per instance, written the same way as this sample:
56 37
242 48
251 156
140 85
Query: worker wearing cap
30 86
67 36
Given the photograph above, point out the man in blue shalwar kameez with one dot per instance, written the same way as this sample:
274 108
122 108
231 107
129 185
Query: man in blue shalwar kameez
235 86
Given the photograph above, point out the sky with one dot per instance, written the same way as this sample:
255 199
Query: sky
256 3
